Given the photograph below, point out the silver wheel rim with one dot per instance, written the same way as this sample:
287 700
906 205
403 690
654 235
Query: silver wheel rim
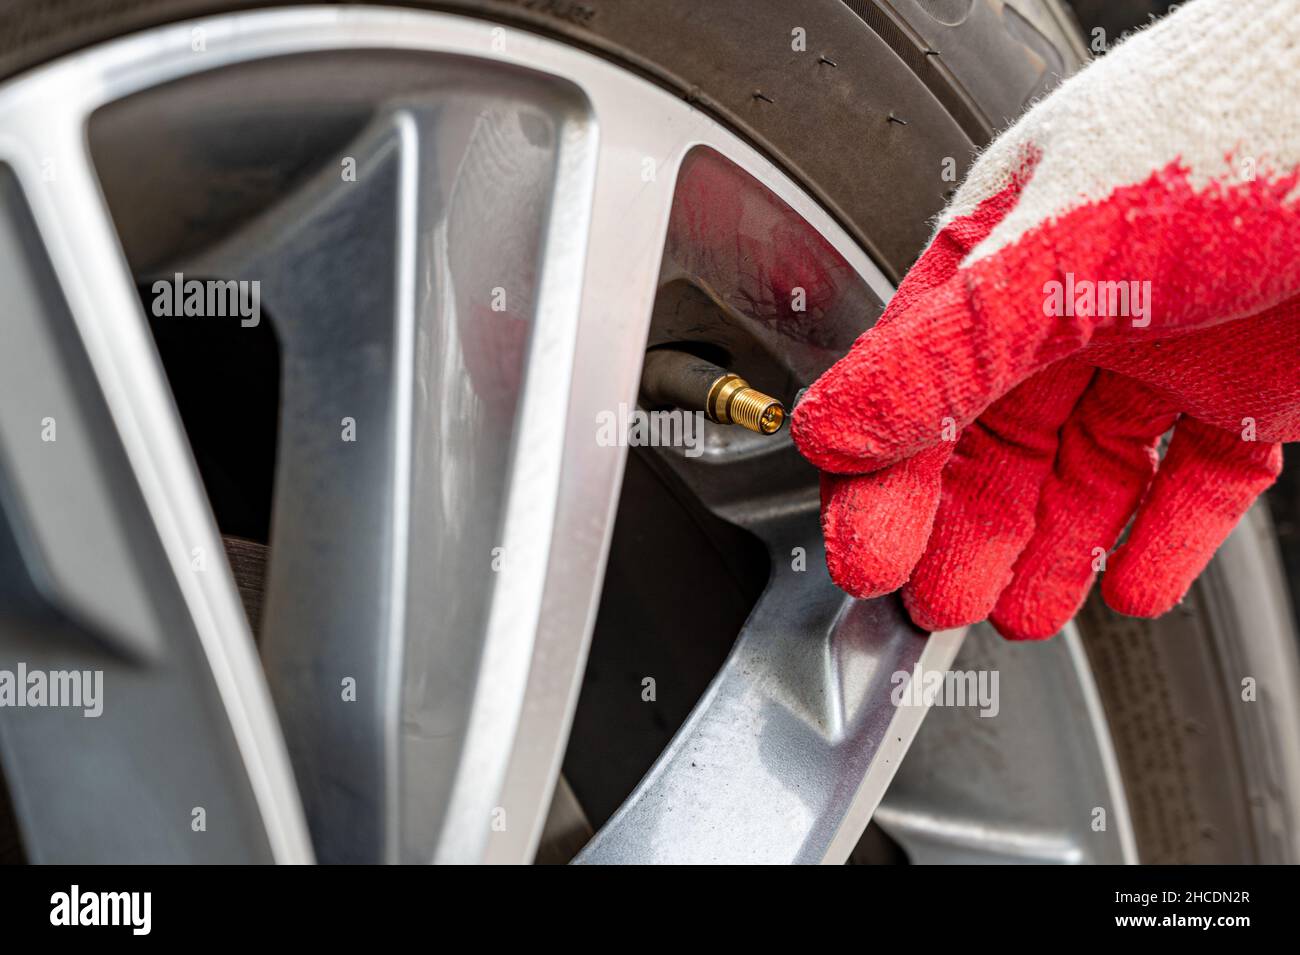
790 750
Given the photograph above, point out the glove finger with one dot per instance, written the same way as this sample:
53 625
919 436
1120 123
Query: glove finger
876 525
990 489
1105 463
1206 482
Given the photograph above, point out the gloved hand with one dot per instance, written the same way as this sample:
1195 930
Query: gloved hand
1123 261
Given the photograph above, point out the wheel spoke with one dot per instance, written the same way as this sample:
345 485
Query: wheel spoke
442 503
113 565
792 745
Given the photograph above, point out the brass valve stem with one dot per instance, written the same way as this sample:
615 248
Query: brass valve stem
732 401
682 380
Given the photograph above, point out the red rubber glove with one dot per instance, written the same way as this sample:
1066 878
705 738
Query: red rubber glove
992 436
